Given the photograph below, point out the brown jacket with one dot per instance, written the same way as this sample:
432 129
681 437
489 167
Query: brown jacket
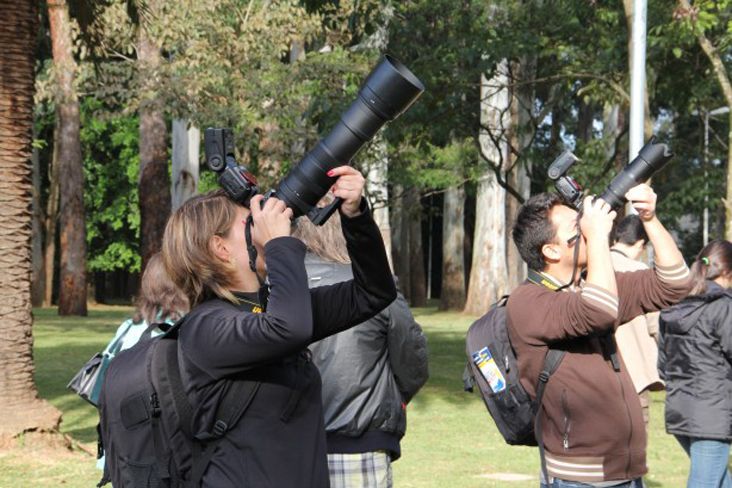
592 422
635 339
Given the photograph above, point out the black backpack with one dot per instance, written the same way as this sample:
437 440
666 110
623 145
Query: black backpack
493 367
146 418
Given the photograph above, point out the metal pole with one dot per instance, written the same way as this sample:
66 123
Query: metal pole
705 162
637 77
429 252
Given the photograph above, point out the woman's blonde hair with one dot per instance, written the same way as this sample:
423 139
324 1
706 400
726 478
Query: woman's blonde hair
326 241
158 298
187 253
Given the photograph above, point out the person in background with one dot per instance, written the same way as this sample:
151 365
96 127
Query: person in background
637 339
158 301
695 360
369 372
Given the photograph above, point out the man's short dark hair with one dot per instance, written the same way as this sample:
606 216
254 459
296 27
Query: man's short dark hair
534 228
629 231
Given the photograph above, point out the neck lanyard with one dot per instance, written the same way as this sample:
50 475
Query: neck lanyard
544 280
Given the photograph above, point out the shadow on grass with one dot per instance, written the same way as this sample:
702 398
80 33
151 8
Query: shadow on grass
62 345
447 360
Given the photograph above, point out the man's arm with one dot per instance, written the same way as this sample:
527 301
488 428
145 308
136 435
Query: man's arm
643 291
667 254
596 223
540 316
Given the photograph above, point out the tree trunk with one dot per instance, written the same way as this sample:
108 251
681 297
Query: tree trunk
585 118
186 145
376 188
38 278
400 240
417 279
20 408
50 225
522 107
452 295
488 274
153 183
72 284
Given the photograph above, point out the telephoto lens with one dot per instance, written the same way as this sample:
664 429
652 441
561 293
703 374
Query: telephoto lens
388 91
652 157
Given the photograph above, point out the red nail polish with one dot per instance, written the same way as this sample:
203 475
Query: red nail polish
330 173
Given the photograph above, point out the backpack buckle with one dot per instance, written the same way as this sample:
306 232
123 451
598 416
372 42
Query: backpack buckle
219 428
155 404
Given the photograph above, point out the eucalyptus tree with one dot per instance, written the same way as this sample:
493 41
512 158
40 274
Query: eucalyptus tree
68 161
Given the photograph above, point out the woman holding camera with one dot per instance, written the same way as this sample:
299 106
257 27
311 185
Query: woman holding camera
695 360
236 331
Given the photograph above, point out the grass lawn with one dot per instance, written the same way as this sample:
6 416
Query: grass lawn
450 441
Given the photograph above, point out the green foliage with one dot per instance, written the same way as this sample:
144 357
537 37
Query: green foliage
234 63
111 166
443 43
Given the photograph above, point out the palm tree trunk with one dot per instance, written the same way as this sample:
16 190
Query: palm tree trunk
72 284
20 408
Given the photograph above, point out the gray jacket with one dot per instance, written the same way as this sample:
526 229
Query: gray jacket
369 372
695 359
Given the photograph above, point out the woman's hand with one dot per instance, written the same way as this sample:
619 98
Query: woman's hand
349 187
270 221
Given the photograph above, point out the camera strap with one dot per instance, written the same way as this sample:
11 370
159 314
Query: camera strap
251 250
575 259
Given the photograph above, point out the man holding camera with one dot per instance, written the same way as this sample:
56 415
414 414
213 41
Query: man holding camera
592 425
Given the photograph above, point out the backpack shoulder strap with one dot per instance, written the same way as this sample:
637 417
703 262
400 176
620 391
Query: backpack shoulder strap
551 363
233 405
235 402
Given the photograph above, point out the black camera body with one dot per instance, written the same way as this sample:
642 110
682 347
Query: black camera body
387 92
240 185
651 158
570 191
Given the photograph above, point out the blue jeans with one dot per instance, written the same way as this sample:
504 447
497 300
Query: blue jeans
636 483
709 460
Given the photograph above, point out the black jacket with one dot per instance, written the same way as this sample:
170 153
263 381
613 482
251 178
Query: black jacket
369 372
280 440
695 351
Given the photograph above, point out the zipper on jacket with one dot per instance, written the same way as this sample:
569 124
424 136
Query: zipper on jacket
630 420
567 420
